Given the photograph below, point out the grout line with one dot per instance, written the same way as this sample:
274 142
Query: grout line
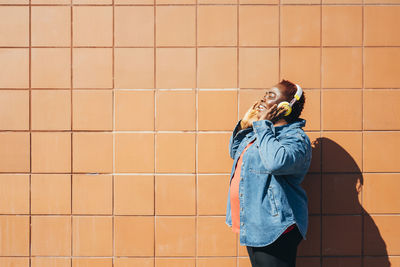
362 133
320 134
71 130
196 138
155 137
113 134
30 133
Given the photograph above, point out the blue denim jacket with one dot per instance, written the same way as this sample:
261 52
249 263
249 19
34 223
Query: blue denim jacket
270 195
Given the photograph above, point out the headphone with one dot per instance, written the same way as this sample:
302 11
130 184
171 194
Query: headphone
288 105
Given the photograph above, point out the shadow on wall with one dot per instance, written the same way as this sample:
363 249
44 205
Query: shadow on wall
340 229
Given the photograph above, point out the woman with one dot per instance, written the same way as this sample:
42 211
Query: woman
266 204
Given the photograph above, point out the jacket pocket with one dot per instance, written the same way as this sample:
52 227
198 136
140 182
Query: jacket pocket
271 197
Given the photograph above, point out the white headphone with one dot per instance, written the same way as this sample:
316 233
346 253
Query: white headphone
288 105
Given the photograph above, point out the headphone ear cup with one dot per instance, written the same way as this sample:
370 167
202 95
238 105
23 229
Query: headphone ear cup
287 106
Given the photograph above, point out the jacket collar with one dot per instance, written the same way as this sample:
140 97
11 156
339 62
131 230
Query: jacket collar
298 123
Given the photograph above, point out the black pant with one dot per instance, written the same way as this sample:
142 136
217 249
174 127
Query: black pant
281 253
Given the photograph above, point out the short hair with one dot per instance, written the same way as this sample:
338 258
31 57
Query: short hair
298 105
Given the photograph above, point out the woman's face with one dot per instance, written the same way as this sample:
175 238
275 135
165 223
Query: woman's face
274 95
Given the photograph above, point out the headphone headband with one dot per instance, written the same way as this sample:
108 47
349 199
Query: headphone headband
297 96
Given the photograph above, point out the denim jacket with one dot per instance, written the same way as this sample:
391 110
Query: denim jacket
270 195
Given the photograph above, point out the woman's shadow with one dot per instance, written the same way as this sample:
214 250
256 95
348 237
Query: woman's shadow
341 232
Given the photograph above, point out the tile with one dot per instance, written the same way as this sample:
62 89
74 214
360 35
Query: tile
342 152
342 25
175 236
134 68
216 25
216 261
300 1
51 152
92 236
134 110
168 201
246 98
51 235
380 67
89 2
14 197
127 262
380 193
92 194
307 69
97 2
380 235
92 110
348 187
14 235
311 246
92 67
378 102
50 261
258 25
14 25
14 110
350 240
213 153
214 237
341 109
134 25
51 67
182 159
342 1
217 67
92 25
214 105
254 63
50 25
183 262
379 156
341 261
134 194
378 261
212 194
211 1
91 261
15 152
15 2
134 152
244 262
308 262
300 25
53 2
381 1
134 235
176 67
379 26
51 109
176 110
51 193
312 185
311 110
14 63
335 74
179 19
92 152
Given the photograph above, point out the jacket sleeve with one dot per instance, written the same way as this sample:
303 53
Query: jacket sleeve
289 154
235 139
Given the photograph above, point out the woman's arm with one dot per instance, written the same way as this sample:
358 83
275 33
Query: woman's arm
288 155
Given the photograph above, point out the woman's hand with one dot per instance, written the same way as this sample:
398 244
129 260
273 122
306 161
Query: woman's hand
273 114
250 116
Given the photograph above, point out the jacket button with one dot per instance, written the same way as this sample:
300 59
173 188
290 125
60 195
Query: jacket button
242 224
241 209
241 194
241 178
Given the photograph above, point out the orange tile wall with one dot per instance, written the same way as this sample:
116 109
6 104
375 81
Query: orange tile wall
115 118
